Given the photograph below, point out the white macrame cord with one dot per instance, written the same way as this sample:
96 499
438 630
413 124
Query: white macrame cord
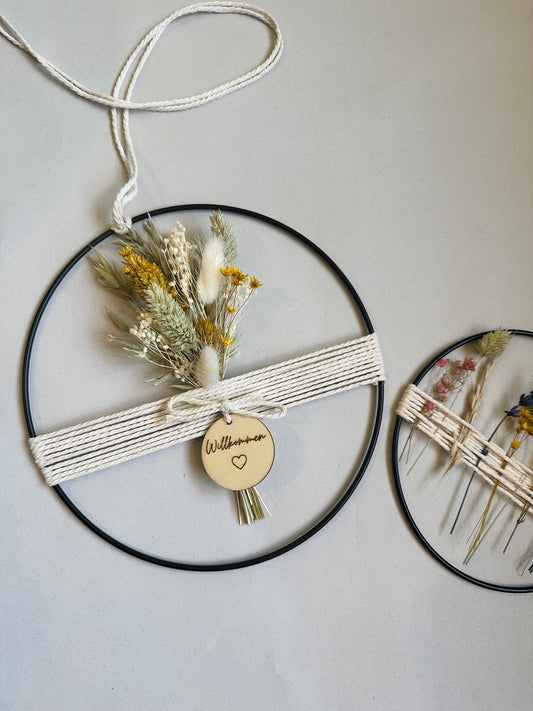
448 430
266 394
133 67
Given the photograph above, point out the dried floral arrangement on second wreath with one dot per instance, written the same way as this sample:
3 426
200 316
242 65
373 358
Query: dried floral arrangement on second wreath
510 481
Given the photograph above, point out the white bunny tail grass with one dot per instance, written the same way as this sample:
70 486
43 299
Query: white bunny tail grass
207 367
210 278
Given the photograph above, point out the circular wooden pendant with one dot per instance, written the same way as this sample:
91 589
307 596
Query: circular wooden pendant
237 455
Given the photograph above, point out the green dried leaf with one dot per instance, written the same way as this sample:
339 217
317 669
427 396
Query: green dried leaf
132 346
112 277
162 378
118 321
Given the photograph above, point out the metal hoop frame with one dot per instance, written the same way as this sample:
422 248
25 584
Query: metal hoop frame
397 478
357 474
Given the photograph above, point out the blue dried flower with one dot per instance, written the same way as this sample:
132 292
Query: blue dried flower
514 411
526 400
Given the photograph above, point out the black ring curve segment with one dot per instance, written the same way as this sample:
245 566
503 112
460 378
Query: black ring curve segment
397 482
358 473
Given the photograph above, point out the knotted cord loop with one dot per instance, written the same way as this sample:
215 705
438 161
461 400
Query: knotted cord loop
188 407
134 64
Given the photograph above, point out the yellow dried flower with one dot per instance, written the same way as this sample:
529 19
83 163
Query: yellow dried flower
515 444
255 283
525 421
226 341
494 343
207 332
237 277
231 309
143 273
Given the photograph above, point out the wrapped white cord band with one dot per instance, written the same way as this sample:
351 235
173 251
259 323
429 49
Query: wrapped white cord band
100 443
488 459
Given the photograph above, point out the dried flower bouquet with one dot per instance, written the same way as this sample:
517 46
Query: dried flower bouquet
185 298
185 295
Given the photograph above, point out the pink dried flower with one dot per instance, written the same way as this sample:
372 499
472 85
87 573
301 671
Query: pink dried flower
429 406
452 380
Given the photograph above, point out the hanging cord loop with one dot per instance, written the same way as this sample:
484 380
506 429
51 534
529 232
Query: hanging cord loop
133 67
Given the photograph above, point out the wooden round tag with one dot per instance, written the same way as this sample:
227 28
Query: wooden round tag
237 455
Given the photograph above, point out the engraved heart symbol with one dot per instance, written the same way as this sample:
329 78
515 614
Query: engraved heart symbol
240 461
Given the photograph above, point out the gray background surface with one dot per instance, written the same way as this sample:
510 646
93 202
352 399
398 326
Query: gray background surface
397 136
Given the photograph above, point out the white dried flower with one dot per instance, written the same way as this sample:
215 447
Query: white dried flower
207 369
210 278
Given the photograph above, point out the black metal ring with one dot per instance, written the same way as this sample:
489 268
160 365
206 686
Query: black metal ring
396 472
358 473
